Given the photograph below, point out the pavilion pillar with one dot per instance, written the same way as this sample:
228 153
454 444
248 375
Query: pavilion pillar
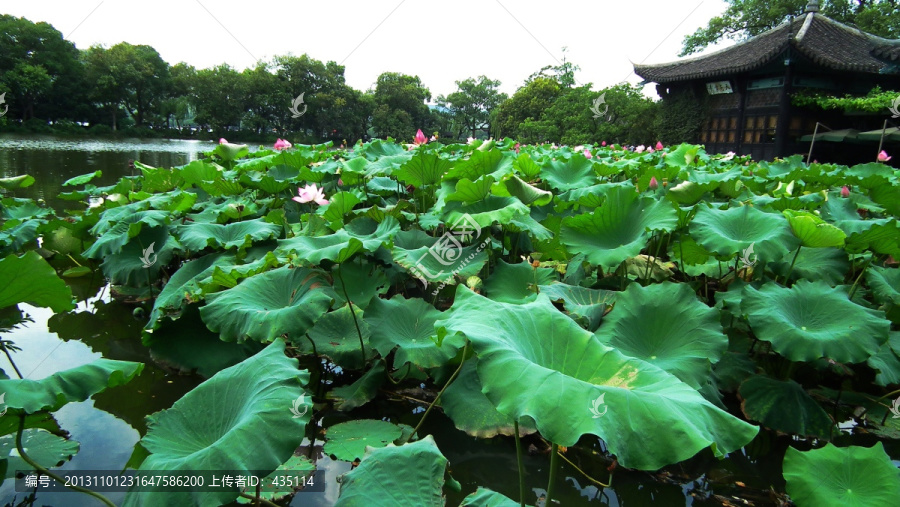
784 108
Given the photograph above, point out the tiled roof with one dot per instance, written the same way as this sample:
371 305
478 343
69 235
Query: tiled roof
826 42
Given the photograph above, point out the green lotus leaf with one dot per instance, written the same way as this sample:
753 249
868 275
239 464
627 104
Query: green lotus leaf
592 196
887 195
363 282
369 234
683 156
522 191
847 476
112 238
227 274
471 411
486 211
577 172
19 237
340 204
563 375
14 182
30 279
483 497
647 267
376 481
735 230
177 201
348 440
423 169
516 283
82 179
526 166
75 384
584 305
690 192
237 420
47 449
666 325
812 231
784 406
471 191
268 305
812 320
360 392
409 325
141 260
271 182
732 369
158 180
886 362
283 481
885 284
528 224
335 337
491 162
617 230
231 151
827 264
434 259
881 235
239 235
24 211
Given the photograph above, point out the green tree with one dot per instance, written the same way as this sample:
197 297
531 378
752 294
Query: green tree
40 71
527 104
106 90
320 83
219 99
746 18
400 107
177 104
473 102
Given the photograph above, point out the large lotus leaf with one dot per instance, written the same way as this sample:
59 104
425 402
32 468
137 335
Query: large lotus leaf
335 336
812 231
846 476
347 441
592 196
522 191
334 247
619 229
735 230
75 384
690 192
158 180
577 172
830 265
243 418
585 305
177 201
30 279
363 282
784 406
239 235
526 223
360 392
484 497
683 156
526 166
111 239
423 169
14 182
813 320
491 162
882 238
23 211
435 259
47 449
471 191
516 283
886 362
561 374
376 481
262 307
471 411
141 260
171 301
339 205
885 284
666 325
486 211
409 325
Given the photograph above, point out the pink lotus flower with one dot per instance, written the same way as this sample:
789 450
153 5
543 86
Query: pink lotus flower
845 191
433 138
222 140
650 150
282 144
640 149
420 138
603 143
653 183
470 140
659 145
516 147
587 154
883 156
311 193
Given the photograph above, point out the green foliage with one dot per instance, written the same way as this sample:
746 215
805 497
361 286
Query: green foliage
876 101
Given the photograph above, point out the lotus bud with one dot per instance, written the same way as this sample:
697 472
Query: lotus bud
659 145
653 183
845 191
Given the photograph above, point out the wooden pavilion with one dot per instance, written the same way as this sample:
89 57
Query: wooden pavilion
747 87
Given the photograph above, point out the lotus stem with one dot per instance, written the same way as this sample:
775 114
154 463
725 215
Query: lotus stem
791 269
397 382
554 465
520 463
8 356
362 345
25 457
586 476
262 501
438 397
73 260
858 278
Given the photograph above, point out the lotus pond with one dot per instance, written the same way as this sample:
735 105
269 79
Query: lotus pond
467 324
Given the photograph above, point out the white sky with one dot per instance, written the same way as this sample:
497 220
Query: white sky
441 42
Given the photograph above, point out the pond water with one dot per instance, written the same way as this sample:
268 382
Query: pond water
108 426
